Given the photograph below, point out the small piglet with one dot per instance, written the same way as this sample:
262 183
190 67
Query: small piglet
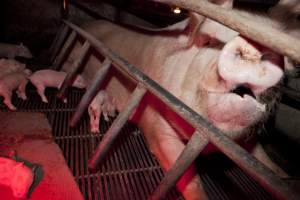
50 78
12 51
9 65
14 81
15 175
102 103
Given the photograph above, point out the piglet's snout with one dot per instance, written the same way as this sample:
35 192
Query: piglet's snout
240 63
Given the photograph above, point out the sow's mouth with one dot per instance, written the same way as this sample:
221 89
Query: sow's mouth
234 110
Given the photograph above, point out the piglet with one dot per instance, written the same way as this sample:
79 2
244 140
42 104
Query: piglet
9 65
50 78
12 51
102 103
14 81
15 175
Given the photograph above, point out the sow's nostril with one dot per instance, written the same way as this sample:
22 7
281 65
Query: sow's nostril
243 90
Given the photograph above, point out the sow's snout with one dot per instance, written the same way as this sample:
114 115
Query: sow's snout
247 70
243 63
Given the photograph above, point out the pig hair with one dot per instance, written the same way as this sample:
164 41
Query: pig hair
271 98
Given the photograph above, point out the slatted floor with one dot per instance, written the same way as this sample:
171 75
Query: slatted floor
130 171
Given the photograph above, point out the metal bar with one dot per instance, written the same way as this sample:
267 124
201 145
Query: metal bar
247 162
193 148
129 163
60 28
74 70
59 42
262 33
91 92
115 128
65 49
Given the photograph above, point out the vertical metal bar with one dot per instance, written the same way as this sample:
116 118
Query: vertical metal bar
115 128
58 60
73 71
151 182
195 145
131 175
91 92
56 37
59 42
126 184
144 179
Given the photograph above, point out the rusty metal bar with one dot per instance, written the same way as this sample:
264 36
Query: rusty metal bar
189 154
262 33
242 158
58 60
59 42
114 130
91 92
74 71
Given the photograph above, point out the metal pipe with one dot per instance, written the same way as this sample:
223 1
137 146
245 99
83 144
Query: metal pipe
59 31
114 130
59 42
193 148
58 60
261 33
74 71
253 167
91 92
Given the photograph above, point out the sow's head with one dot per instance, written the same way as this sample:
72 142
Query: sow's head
239 88
238 80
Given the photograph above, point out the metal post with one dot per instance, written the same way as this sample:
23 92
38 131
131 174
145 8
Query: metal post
114 130
59 31
262 33
58 60
73 71
59 42
91 92
193 148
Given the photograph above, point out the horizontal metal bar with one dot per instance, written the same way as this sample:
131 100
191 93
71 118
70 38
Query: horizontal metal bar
114 130
193 148
58 60
71 76
91 92
120 172
253 167
262 33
